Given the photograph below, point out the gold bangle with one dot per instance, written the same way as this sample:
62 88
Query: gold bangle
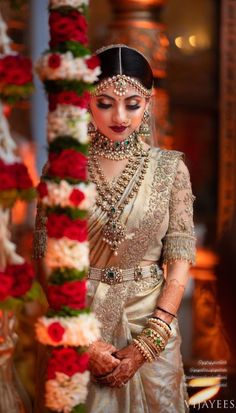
154 350
161 324
154 334
142 350
158 330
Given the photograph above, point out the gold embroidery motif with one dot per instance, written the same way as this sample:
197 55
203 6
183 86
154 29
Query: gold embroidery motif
109 309
179 242
147 232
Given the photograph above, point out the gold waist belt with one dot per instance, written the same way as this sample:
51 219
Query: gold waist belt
115 275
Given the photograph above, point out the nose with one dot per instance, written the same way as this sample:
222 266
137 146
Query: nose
119 115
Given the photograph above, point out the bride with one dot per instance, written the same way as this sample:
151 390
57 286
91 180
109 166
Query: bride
142 219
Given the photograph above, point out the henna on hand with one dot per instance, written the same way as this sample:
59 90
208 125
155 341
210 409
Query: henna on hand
131 360
101 360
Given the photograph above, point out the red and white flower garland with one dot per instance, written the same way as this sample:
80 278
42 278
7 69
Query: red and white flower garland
68 71
16 275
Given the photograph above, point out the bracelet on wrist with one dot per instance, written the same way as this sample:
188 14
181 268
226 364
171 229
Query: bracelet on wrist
165 311
162 321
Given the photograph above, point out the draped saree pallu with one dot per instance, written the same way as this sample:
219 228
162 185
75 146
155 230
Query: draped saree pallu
159 228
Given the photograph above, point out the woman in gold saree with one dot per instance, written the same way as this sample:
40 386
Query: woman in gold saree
142 219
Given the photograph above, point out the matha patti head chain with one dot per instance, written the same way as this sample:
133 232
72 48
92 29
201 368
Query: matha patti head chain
120 82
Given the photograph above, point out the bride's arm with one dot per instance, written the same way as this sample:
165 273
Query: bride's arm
178 245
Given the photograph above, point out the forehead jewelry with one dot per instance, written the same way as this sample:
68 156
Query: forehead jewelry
120 84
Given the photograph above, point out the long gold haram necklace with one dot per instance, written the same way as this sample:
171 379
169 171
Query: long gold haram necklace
110 198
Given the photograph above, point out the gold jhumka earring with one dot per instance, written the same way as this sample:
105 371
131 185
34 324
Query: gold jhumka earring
144 130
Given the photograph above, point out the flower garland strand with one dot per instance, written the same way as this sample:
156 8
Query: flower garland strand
16 275
68 72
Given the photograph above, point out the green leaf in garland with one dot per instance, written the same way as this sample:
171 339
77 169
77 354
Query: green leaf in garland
8 198
67 142
52 86
79 409
77 49
12 304
67 312
28 194
73 213
57 180
62 275
36 293
13 93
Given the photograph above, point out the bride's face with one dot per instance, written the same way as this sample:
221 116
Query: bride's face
117 117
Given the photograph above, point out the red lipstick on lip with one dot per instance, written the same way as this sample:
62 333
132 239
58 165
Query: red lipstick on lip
118 129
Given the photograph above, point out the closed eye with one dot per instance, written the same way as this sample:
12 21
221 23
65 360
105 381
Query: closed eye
133 107
104 105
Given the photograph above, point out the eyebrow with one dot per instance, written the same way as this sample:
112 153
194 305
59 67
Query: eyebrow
109 97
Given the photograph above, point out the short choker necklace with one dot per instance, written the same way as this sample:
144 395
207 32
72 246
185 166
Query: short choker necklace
116 150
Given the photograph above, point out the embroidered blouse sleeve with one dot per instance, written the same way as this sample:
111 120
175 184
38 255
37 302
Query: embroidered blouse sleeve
179 241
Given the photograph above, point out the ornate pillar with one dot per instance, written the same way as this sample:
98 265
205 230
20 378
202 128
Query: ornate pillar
137 23
227 155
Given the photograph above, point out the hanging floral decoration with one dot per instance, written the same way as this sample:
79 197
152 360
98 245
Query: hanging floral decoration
16 275
16 81
68 71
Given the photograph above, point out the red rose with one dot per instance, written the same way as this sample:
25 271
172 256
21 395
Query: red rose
17 77
22 275
7 177
7 181
76 197
56 225
52 102
51 369
67 361
56 331
71 98
6 283
10 61
72 26
78 231
42 189
59 226
1 66
68 98
68 164
83 361
17 70
22 176
93 62
71 294
54 61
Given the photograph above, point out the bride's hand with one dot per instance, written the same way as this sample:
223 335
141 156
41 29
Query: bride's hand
101 361
131 360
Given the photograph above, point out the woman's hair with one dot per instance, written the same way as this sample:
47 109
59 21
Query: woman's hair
133 64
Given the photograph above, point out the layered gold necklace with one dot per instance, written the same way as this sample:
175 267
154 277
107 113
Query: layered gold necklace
111 198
